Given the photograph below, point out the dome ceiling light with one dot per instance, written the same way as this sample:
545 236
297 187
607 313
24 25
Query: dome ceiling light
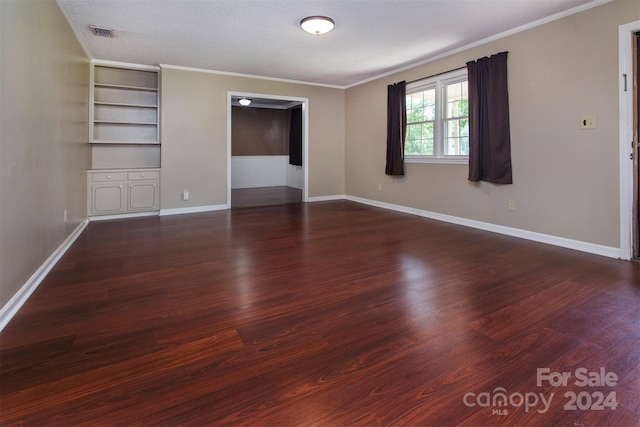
244 101
317 24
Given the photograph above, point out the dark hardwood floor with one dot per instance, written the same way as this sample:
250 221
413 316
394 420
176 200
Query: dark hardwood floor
265 196
326 314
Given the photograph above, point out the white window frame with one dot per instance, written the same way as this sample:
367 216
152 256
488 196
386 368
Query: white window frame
438 82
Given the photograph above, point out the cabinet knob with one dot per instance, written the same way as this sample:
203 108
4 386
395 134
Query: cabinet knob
142 176
130 186
119 186
108 176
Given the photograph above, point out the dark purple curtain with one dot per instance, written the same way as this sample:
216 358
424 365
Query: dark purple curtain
489 138
295 137
396 128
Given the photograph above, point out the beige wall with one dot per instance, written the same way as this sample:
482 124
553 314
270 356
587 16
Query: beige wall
565 179
194 135
44 134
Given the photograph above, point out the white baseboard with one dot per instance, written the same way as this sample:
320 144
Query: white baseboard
122 216
326 198
15 303
194 209
578 245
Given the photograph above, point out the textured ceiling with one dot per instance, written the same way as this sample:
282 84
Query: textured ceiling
263 37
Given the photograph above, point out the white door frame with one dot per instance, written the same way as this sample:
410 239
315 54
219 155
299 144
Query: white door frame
305 137
625 58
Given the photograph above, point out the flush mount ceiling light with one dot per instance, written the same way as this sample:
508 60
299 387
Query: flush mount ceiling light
317 24
244 101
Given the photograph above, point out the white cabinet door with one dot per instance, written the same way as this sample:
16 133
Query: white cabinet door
143 196
112 192
108 198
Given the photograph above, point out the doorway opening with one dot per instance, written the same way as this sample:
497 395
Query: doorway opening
629 108
635 142
267 150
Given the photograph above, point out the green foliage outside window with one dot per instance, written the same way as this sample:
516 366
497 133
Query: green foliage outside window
457 121
423 117
421 112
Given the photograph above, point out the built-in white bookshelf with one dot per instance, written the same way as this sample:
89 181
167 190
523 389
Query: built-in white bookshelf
125 107
124 133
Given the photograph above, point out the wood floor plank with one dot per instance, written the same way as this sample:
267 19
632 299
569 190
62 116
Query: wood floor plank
510 320
112 381
330 313
265 196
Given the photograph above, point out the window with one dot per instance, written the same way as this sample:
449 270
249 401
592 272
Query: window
438 119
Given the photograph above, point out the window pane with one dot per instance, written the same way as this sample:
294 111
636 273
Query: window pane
457 100
421 106
419 140
457 137
438 117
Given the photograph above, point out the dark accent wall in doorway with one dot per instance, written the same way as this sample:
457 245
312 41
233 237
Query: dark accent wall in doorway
259 132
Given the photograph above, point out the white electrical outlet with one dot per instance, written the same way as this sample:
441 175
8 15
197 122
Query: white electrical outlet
379 187
185 195
587 122
511 205
66 216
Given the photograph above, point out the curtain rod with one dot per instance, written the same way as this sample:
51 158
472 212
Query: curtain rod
437 74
